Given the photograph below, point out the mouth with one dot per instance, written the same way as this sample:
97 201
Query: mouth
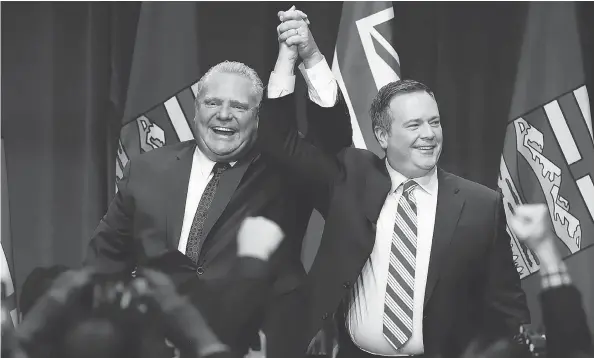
224 131
425 149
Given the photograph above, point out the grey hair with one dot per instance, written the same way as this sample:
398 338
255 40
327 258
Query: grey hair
380 118
235 68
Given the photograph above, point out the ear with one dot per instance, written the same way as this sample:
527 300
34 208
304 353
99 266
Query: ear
382 137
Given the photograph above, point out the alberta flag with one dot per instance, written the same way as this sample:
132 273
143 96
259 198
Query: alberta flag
159 105
548 155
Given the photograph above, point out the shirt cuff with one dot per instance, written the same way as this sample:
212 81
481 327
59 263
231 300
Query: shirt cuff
556 277
322 87
280 85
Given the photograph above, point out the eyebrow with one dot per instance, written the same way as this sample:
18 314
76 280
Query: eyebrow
416 120
239 103
232 102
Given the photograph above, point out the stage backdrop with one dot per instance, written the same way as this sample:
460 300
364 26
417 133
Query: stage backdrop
77 78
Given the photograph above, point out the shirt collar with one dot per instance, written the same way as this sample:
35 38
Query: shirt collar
204 163
428 182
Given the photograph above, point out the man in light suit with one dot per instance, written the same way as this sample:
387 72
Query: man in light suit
190 198
414 261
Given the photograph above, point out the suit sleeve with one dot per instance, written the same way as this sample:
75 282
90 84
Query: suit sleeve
505 301
329 128
304 162
565 322
111 246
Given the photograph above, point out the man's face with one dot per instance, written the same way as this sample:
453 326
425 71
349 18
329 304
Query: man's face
414 142
226 117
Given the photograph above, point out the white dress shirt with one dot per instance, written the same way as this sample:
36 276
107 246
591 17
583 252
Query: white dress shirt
365 318
322 89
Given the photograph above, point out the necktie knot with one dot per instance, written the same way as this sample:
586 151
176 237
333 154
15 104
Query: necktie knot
408 187
220 167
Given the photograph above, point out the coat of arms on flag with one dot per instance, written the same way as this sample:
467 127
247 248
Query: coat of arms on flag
548 158
166 123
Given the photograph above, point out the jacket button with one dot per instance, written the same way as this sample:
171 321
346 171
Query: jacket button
325 316
346 284
200 270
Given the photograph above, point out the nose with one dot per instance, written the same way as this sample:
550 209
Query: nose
224 113
427 131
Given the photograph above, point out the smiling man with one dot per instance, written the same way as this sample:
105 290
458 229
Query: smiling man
414 261
226 111
187 200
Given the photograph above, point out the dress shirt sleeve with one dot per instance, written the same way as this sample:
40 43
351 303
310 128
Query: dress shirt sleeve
280 85
321 85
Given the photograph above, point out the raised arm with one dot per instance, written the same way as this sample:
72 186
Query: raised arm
328 123
562 308
312 161
281 143
505 301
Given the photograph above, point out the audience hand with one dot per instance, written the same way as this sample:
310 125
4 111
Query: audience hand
258 237
294 31
69 284
532 225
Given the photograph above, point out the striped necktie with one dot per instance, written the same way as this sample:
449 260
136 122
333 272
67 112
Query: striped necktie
398 304
196 237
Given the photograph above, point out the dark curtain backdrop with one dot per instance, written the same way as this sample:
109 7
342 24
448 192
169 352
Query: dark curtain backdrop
65 69
55 124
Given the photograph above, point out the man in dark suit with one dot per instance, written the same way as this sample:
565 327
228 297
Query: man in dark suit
414 261
192 196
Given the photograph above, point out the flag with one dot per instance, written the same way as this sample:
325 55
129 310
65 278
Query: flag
364 61
9 300
159 106
548 154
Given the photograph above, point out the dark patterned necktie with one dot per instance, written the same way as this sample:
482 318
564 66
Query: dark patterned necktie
398 305
196 236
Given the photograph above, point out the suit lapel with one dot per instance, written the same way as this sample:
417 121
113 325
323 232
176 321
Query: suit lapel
377 186
178 183
449 206
227 185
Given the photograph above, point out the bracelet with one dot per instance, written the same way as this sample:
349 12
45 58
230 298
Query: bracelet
555 279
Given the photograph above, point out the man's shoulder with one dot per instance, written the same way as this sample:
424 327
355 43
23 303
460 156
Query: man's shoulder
471 188
159 155
357 156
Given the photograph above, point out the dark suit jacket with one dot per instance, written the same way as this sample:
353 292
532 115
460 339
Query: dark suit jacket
565 323
145 218
227 303
472 282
